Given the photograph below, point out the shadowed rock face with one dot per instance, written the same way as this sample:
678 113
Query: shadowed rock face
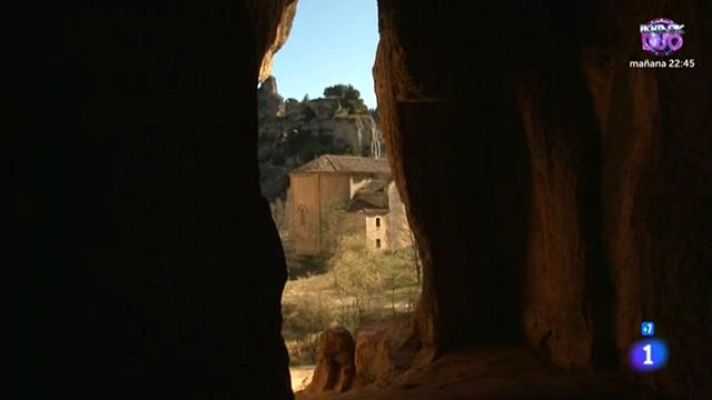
158 270
557 196
272 21
461 160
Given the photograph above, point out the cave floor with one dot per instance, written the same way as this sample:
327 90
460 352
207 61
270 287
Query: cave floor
496 374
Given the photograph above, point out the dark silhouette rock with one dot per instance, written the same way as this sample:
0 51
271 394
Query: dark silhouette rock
161 269
562 200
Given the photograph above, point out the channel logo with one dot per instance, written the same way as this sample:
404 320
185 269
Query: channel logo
662 36
650 354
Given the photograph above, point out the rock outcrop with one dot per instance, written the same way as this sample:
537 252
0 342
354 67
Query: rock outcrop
293 133
384 351
335 370
272 22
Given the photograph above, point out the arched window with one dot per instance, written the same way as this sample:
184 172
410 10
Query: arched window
302 215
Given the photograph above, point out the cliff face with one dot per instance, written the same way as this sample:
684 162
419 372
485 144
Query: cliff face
292 133
587 180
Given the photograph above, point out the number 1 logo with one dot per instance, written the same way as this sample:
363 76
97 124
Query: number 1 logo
648 355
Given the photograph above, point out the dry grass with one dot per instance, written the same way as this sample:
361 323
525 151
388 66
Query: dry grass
359 286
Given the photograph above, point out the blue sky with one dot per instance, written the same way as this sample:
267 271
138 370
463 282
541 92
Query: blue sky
332 41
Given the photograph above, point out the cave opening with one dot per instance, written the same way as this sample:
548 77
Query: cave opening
353 266
558 195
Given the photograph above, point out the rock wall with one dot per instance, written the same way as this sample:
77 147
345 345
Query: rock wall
399 233
556 194
153 269
451 128
273 23
656 185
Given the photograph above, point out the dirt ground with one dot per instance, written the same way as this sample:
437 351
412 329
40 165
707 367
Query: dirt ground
496 374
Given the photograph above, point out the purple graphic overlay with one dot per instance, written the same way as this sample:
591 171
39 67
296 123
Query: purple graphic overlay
662 36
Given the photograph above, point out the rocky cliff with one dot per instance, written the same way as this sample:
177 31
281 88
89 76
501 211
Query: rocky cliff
292 133
587 180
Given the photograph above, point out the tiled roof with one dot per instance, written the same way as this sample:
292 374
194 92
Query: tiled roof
373 196
334 163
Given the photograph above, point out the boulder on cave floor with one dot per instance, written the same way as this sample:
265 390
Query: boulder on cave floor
335 369
384 351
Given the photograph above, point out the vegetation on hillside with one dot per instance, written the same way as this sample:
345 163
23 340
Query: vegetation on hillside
360 286
348 96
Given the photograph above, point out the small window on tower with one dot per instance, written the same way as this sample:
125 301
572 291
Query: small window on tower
378 222
378 243
302 216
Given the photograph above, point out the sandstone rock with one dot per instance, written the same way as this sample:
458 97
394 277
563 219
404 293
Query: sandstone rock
586 180
384 351
335 369
273 22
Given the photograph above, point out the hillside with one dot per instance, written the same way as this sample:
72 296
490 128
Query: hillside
293 132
